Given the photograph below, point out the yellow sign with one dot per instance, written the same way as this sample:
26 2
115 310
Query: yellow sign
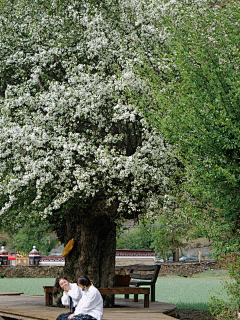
68 247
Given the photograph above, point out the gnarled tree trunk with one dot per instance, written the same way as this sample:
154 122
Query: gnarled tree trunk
93 253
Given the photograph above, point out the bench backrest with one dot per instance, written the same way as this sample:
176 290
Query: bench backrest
127 268
145 272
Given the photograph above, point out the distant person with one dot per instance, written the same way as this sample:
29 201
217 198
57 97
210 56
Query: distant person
72 293
90 307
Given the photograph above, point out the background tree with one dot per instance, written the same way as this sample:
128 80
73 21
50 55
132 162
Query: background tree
204 109
169 235
75 149
138 237
3 243
33 235
198 112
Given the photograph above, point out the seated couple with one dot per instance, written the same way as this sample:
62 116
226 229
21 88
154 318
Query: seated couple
84 299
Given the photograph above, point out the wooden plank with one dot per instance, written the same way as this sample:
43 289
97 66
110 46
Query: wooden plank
48 295
141 276
142 267
10 293
141 283
48 288
124 290
33 308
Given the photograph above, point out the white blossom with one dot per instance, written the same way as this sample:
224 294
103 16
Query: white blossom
69 128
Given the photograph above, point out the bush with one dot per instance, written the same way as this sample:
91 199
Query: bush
2 275
223 310
4 243
58 300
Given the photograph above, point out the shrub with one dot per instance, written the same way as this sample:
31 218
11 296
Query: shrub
4 243
222 310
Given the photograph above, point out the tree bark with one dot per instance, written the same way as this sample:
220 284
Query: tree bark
176 251
94 250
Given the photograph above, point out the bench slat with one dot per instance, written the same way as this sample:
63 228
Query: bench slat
144 267
124 290
141 276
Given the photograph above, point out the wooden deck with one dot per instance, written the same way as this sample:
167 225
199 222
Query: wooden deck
33 308
10 293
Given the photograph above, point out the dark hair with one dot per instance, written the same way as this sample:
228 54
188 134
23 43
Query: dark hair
84 280
57 289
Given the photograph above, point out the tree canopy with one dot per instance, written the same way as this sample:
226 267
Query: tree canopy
198 111
68 128
75 147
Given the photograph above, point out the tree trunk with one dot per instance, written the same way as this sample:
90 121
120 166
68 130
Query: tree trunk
176 252
94 250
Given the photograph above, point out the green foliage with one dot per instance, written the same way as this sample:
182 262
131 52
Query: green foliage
198 112
58 300
165 235
2 275
224 310
135 238
169 232
3 243
31 235
205 110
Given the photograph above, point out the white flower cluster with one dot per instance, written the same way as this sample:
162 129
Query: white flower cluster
70 126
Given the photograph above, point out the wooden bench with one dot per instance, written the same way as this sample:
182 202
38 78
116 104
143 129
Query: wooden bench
144 275
48 295
127 291
114 290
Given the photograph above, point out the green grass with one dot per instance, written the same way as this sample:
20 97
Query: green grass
30 286
191 292
213 274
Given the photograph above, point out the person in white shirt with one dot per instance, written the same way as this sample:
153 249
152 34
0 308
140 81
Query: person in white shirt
90 307
72 293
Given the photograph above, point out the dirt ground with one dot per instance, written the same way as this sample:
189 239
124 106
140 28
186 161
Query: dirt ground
193 314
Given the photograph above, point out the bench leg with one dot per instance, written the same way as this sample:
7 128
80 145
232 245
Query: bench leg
135 297
126 296
153 292
48 299
146 300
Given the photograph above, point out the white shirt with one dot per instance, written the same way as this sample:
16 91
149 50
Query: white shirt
75 293
91 303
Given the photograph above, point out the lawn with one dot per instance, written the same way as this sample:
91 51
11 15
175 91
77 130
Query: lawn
191 292
30 286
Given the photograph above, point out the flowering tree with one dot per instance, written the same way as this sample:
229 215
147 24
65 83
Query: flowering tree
75 150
